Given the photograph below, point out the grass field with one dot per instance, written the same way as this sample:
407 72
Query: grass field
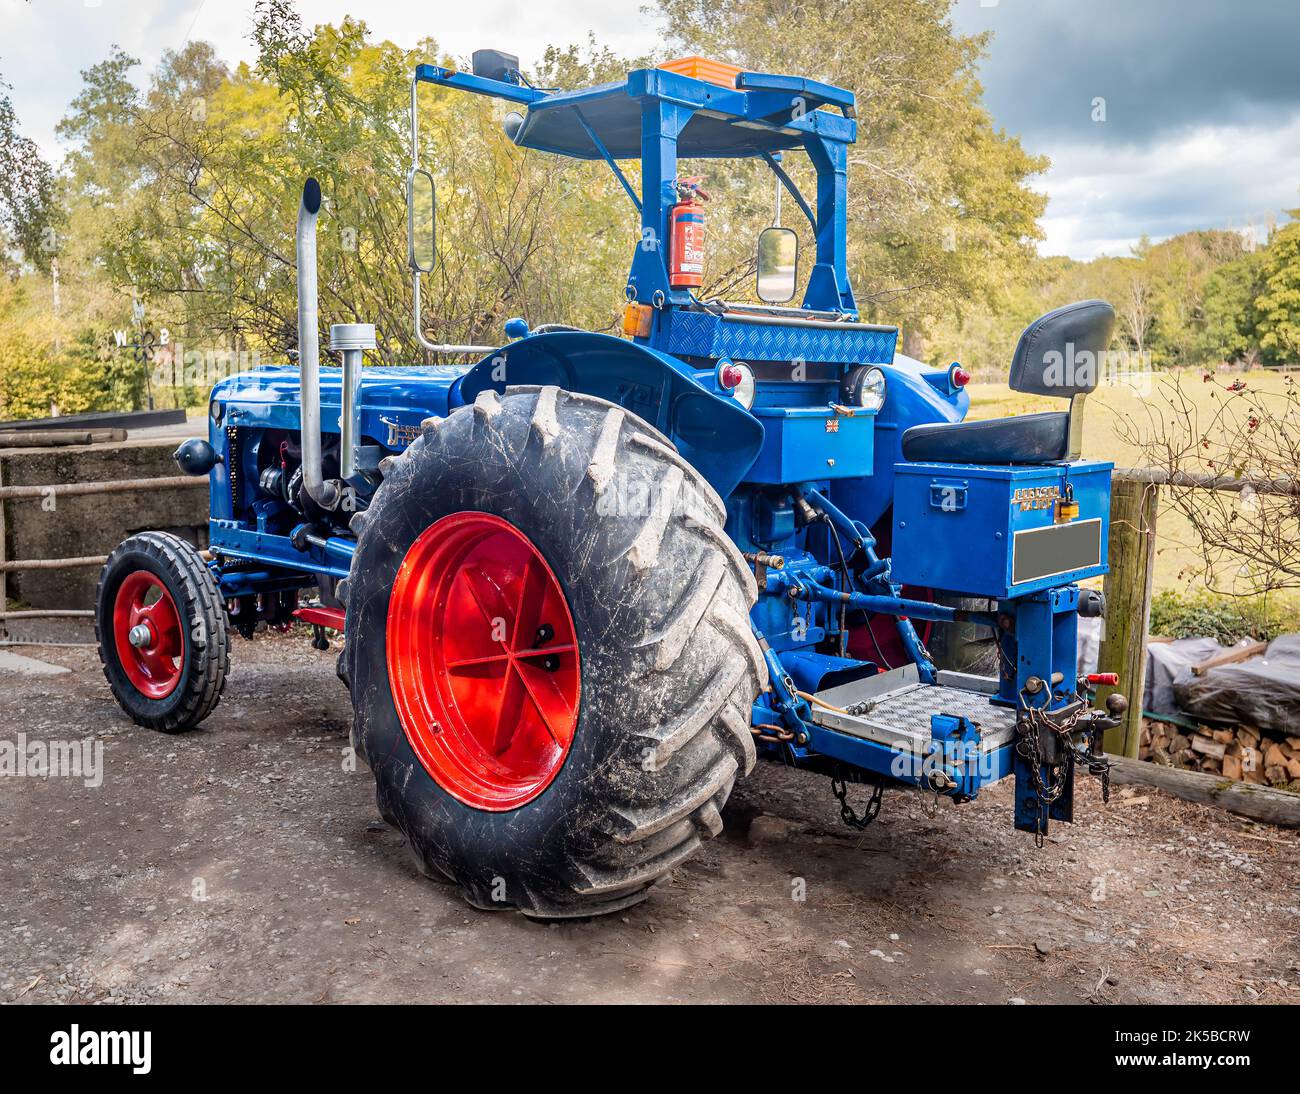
1179 564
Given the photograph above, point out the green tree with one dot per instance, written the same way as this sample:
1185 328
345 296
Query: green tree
91 376
1178 270
1231 327
206 167
27 382
96 122
1279 303
28 209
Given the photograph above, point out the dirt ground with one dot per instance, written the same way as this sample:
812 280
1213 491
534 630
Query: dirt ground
243 863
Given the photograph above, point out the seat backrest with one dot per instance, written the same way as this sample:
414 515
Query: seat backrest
1062 352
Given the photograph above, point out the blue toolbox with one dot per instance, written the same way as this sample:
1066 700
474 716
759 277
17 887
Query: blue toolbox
802 443
1000 531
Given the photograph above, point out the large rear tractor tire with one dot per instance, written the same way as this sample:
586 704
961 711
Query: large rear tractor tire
161 627
549 653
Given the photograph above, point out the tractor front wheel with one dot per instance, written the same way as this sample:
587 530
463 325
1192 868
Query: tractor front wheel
549 653
161 627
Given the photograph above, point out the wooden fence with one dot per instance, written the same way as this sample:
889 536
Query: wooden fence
1135 502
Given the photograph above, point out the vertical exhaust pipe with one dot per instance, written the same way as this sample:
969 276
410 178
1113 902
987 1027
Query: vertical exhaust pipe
351 339
324 493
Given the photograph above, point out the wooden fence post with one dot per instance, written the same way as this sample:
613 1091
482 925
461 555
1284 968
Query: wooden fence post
1127 589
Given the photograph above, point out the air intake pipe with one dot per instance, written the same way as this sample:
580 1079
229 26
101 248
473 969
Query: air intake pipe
325 494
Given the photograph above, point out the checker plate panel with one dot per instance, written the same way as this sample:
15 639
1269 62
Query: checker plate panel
700 334
901 706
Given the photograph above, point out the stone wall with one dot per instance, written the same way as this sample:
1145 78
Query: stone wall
89 524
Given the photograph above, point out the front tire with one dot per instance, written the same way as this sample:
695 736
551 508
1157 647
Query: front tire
160 624
608 762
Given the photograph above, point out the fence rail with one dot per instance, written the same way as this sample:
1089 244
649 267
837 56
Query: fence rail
1198 481
63 490
110 486
49 613
52 563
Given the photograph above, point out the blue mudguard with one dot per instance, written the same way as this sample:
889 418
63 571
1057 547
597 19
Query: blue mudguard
713 432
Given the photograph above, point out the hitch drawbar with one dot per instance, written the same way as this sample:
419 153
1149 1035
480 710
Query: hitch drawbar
321 619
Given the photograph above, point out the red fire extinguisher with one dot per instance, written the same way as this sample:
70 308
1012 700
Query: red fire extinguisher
686 228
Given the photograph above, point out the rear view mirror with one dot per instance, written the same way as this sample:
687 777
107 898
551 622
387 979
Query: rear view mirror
421 231
778 264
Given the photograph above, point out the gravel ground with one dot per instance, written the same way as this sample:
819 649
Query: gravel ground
244 863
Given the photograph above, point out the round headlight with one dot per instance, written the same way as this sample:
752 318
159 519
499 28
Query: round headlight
865 387
739 380
744 391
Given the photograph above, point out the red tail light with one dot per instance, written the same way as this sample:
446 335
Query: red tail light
729 376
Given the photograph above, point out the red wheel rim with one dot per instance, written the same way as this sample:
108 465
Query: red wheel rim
153 658
483 661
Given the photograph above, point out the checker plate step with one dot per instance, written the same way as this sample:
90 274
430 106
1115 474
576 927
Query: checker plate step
901 706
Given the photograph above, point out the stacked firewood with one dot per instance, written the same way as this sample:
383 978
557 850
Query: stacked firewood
1241 752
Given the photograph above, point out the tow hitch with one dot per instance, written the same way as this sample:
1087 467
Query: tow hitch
1050 744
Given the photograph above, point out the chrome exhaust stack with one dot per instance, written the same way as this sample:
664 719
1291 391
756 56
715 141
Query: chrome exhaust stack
325 494
351 340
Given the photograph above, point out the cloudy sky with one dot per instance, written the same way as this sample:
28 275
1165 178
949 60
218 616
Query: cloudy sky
1200 98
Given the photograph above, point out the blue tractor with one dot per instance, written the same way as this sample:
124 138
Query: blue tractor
585 581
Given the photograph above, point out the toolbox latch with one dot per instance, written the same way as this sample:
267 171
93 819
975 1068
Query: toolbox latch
950 497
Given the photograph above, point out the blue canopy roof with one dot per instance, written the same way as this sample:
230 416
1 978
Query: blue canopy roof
661 116
763 114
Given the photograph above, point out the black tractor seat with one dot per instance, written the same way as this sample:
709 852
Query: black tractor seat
1059 354
1028 438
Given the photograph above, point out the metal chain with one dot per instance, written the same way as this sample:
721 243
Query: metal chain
1099 767
1032 753
840 788
930 805
1048 792
1035 760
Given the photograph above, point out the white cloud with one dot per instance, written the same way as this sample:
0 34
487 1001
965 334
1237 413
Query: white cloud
459 28
47 43
1105 198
